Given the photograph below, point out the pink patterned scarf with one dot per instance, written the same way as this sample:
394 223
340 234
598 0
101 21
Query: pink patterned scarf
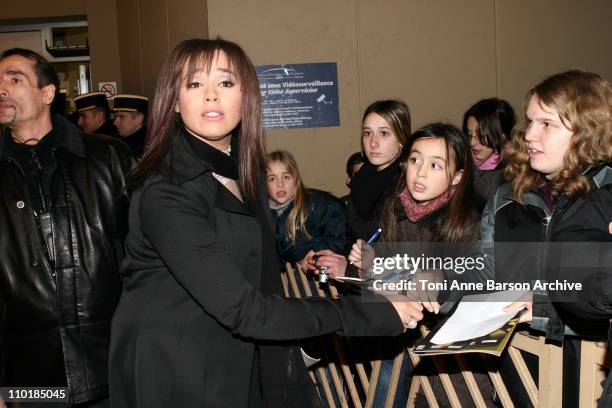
488 164
415 211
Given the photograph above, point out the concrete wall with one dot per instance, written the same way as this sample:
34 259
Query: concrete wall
440 57
129 39
148 30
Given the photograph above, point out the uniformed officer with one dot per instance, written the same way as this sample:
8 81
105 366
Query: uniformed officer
94 114
131 119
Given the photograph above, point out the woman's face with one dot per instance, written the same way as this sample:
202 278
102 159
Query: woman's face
281 183
480 151
547 138
209 103
429 172
380 143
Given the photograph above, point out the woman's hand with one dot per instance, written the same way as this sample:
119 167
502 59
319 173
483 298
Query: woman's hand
335 264
361 251
424 292
307 263
526 302
410 313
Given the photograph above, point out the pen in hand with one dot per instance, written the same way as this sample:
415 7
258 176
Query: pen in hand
372 238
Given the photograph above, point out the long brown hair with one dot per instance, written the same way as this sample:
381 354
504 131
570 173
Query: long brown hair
457 222
163 122
298 214
584 102
396 113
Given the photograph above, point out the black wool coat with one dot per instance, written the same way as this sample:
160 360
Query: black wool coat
193 327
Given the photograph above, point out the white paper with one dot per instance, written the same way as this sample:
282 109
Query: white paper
349 279
476 316
308 360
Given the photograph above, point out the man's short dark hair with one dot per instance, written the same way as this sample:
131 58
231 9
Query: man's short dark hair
104 111
45 73
97 109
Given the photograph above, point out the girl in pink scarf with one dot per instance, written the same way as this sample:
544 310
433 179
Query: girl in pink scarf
488 125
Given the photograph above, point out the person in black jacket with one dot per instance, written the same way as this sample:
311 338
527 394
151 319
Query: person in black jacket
202 321
63 220
559 198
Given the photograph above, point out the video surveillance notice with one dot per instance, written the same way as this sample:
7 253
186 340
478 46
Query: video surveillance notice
299 95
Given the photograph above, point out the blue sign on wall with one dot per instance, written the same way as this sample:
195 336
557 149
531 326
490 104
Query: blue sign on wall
299 95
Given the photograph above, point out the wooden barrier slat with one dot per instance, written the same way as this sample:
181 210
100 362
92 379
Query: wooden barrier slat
343 361
470 381
412 394
373 383
285 284
292 281
451 394
592 358
326 389
347 374
550 378
363 377
524 375
498 384
424 384
395 372
359 366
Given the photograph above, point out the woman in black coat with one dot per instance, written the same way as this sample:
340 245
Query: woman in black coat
201 318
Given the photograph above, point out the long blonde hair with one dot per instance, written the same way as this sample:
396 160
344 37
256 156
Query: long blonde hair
584 102
296 221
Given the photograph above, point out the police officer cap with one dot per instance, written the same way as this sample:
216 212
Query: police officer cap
131 103
91 100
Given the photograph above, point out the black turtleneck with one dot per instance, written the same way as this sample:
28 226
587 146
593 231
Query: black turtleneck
369 185
220 162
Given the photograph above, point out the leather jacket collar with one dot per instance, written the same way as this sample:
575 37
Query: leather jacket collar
70 139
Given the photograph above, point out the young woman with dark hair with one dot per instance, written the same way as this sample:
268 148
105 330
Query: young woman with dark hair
434 202
202 320
385 129
488 123
440 193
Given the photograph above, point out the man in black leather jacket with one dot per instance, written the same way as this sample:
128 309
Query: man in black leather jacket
63 220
